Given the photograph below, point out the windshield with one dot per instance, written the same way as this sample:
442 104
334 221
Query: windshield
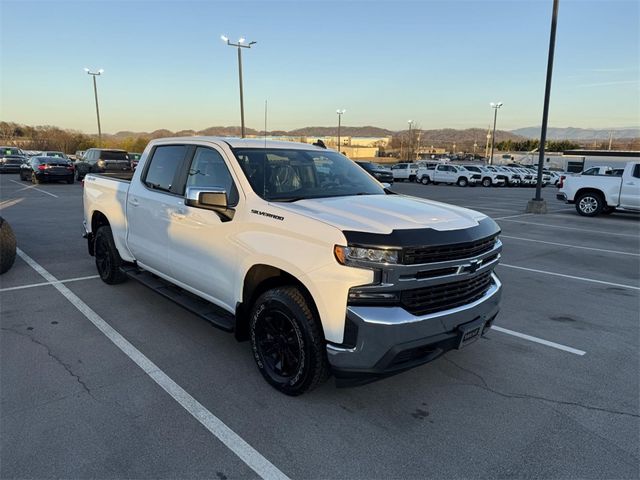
11 151
290 175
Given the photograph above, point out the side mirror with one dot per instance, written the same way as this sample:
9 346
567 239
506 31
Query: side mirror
210 198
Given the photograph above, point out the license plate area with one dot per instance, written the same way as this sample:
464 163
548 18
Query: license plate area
470 332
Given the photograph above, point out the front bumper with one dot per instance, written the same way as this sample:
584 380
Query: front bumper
9 168
390 339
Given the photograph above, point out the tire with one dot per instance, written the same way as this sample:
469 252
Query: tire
287 341
70 180
462 182
7 246
108 261
425 180
78 176
486 182
22 177
412 178
589 204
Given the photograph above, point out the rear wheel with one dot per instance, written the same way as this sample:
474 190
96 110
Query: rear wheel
589 204
287 341
462 182
7 246
486 182
424 180
108 261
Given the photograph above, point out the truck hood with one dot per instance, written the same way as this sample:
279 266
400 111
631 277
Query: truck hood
384 213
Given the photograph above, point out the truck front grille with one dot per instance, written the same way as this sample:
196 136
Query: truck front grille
415 255
422 301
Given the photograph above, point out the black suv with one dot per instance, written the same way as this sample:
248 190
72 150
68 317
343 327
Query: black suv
100 160
378 172
11 158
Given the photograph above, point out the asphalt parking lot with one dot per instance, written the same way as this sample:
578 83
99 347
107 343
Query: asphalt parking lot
552 392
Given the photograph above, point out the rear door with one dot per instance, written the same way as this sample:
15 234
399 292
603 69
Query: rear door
202 252
630 189
151 200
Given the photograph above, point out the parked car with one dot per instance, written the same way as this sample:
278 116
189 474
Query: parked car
47 169
489 177
323 271
598 170
134 158
513 178
405 171
101 160
10 159
451 174
595 194
378 172
422 175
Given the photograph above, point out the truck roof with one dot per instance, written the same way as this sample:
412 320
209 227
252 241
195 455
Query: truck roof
235 142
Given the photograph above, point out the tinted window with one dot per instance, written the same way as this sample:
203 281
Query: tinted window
164 165
113 155
636 170
209 170
11 151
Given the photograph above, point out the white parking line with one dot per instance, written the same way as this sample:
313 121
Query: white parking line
573 277
33 187
565 228
514 216
251 457
539 340
10 203
42 284
572 246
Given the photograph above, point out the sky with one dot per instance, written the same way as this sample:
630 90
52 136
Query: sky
438 63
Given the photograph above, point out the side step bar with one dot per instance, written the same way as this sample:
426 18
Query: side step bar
206 310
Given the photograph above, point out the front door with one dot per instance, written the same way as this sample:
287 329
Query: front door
202 248
630 189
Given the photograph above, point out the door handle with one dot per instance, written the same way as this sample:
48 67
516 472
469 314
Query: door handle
134 202
630 183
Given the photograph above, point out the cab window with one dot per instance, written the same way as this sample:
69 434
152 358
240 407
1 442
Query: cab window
164 166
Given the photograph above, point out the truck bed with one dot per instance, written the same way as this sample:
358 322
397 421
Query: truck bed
125 176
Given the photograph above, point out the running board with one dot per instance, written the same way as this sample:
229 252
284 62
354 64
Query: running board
202 308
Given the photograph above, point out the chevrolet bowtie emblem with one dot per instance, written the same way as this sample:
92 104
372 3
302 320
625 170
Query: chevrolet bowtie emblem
474 265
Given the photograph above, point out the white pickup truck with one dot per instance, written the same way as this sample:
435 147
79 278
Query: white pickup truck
446 173
298 250
595 194
404 171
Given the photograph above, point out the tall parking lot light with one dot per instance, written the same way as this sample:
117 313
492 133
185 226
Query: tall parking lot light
240 44
409 155
340 112
95 93
495 107
537 205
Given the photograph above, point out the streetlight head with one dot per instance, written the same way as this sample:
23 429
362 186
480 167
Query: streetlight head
409 121
499 104
86 69
224 38
492 104
340 111
100 71
252 43
241 40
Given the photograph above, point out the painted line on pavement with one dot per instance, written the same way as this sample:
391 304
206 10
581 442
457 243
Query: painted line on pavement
514 216
566 228
618 252
42 284
34 188
217 427
573 277
539 340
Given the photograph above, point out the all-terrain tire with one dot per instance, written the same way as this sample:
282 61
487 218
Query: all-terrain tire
287 341
108 261
7 246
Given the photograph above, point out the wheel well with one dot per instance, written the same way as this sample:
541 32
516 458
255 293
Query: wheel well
258 280
582 191
97 220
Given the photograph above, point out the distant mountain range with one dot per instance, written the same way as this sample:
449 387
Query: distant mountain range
571 133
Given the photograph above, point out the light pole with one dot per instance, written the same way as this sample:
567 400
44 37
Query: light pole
495 107
409 155
340 112
240 46
537 205
486 148
95 93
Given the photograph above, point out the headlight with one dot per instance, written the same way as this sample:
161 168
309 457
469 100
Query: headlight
350 255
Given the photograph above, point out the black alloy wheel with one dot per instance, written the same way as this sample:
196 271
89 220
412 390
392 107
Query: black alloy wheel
287 341
108 261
